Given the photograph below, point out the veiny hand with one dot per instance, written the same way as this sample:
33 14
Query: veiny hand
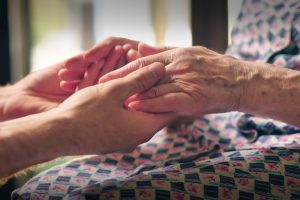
199 81
99 121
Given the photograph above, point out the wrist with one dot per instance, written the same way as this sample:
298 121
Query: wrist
234 85
31 140
271 92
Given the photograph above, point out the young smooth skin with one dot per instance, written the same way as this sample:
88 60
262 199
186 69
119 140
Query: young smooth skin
84 69
83 124
43 90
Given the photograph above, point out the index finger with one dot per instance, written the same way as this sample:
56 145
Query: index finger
135 65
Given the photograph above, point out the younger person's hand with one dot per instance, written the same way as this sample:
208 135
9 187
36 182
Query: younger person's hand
85 69
99 121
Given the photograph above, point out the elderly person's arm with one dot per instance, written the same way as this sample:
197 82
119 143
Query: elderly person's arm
200 81
272 92
93 120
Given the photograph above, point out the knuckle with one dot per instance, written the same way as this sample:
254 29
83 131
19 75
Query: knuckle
173 100
110 40
200 60
140 62
202 48
185 65
180 51
140 81
183 52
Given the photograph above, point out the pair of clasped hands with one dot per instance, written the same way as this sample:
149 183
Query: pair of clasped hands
120 92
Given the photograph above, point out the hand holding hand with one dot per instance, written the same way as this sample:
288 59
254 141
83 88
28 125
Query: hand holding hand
84 69
112 53
199 81
101 123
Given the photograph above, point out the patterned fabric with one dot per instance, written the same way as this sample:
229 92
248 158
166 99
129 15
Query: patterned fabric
267 31
222 156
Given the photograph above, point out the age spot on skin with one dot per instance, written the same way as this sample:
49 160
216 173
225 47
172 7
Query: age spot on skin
291 94
298 115
263 92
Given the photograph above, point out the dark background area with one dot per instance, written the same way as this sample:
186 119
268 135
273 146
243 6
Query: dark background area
210 24
4 41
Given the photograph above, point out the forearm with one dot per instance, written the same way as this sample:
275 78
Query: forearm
31 140
272 92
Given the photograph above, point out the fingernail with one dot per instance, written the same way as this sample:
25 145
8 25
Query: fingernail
102 80
133 105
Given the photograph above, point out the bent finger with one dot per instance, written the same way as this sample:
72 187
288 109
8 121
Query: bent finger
70 75
139 80
111 60
76 63
69 86
132 55
133 66
171 102
91 75
102 49
146 49
154 92
159 90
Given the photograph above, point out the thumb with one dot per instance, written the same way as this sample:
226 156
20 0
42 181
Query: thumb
139 80
146 50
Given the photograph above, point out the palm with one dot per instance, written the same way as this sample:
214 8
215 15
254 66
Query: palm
38 92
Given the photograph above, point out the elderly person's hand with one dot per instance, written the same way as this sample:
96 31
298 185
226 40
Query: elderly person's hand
93 120
200 81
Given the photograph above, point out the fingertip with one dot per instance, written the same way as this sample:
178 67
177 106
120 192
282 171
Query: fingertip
132 55
127 47
69 86
91 55
74 62
145 49
60 73
103 79
118 48
143 44
135 105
